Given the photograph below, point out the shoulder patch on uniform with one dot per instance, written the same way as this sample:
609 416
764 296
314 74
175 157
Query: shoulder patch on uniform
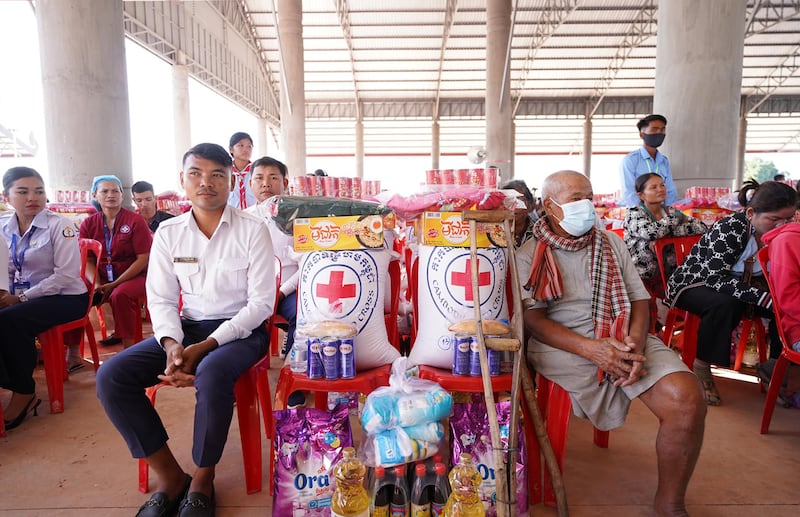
68 232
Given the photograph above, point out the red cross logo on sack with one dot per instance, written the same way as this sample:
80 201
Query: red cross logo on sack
464 279
335 291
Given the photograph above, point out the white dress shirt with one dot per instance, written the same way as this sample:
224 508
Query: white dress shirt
3 278
284 249
229 276
48 252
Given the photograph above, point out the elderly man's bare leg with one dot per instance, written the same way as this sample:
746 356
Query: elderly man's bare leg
677 400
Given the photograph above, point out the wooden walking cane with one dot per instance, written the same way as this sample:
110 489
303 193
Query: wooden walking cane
505 464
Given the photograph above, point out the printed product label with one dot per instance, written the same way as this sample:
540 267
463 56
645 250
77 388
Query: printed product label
338 233
448 229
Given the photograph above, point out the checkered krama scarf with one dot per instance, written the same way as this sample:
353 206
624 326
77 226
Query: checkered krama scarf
611 307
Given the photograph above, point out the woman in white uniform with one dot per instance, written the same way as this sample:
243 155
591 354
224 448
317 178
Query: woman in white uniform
44 285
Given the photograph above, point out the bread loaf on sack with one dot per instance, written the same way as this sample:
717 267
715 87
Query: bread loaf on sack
348 287
445 297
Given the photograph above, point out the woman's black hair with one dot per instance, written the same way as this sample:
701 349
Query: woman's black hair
769 196
642 180
15 173
521 187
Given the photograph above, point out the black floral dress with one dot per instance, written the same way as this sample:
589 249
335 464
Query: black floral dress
642 228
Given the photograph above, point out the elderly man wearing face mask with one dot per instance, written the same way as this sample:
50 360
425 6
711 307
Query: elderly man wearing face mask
591 337
652 131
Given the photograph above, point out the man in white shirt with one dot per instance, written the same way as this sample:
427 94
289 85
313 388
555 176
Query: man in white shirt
269 178
219 262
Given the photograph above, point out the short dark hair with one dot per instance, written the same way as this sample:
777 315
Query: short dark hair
16 173
213 152
779 177
268 161
140 187
769 196
522 188
238 137
650 118
320 172
642 180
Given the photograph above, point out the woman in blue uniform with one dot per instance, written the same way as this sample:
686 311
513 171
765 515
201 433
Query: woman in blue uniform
44 285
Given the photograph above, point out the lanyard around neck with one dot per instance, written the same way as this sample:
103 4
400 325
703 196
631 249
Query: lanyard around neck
19 259
109 234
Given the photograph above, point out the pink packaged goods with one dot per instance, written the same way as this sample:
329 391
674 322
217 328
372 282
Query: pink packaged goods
330 186
433 177
357 189
469 424
461 176
476 177
308 442
345 187
447 176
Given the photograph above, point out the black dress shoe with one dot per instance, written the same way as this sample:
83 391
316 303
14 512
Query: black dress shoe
110 341
160 505
31 407
197 504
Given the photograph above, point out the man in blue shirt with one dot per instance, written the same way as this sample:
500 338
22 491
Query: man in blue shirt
652 130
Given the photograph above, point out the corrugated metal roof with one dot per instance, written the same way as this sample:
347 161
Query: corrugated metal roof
560 49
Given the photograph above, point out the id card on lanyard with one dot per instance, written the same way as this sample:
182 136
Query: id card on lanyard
109 268
18 250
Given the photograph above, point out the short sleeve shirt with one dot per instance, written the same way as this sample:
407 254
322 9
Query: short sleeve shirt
130 237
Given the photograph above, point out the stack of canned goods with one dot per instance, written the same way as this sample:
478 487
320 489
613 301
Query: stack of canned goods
466 358
331 358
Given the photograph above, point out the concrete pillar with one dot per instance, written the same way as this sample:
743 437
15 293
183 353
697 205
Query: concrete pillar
741 148
181 114
360 148
498 87
587 147
262 137
435 149
293 100
85 90
698 87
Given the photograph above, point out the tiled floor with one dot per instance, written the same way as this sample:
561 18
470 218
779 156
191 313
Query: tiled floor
75 463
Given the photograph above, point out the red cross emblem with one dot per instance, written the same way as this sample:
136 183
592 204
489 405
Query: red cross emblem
336 289
464 279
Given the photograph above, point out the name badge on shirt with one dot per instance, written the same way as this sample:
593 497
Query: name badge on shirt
184 260
110 272
18 288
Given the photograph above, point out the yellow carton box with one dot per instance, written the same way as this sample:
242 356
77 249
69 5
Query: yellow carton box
349 232
448 229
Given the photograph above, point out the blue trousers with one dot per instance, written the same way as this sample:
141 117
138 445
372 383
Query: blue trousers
121 382
288 309
20 325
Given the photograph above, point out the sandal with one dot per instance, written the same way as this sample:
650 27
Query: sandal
74 364
703 372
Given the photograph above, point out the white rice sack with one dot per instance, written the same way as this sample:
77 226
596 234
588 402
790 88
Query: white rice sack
445 297
349 286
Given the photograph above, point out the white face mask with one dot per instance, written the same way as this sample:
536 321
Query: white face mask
579 217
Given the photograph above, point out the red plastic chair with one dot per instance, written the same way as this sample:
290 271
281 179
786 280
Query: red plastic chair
52 339
787 354
691 322
251 390
276 319
390 318
138 331
365 382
